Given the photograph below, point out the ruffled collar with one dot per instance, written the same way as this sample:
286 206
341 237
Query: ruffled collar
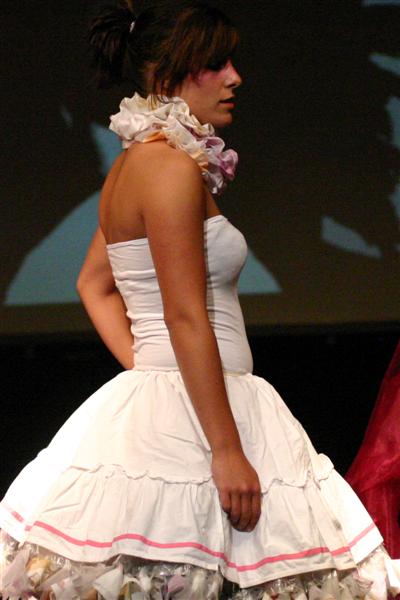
149 119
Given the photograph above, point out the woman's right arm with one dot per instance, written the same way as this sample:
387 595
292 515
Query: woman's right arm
103 302
173 208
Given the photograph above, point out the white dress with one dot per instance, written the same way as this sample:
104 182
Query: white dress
129 472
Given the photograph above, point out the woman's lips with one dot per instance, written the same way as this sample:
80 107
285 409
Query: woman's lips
228 102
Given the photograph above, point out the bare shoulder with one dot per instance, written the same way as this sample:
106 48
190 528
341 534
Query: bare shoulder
159 160
164 175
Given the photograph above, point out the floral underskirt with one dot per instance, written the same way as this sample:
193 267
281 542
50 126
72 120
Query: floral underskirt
30 572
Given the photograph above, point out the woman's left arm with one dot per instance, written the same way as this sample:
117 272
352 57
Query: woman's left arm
103 302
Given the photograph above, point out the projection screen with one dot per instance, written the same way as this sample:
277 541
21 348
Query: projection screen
317 128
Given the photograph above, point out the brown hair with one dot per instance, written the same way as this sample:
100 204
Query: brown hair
169 40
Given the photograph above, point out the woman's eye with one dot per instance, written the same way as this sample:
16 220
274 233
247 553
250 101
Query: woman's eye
216 66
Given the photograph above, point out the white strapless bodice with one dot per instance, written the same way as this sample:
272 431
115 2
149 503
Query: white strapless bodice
135 277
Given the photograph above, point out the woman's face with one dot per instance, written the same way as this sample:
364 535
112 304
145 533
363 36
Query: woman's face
210 94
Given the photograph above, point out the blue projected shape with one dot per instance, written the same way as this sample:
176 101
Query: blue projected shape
385 62
378 2
56 261
49 271
345 238
108 146
393 108
256 278
392 64
67 116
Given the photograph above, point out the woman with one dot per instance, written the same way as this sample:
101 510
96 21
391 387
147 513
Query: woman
186 467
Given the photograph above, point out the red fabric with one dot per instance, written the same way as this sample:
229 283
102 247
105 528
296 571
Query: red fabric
375 472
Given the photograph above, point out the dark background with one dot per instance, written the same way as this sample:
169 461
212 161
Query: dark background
314 138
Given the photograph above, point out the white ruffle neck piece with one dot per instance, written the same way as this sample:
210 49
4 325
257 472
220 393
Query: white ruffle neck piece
150 119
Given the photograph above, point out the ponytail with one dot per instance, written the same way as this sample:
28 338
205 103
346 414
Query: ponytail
108 35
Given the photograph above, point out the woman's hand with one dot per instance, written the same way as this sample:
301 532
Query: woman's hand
238 487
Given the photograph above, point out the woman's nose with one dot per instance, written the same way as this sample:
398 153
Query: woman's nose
234 78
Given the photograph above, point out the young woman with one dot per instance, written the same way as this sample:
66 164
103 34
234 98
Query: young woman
185 468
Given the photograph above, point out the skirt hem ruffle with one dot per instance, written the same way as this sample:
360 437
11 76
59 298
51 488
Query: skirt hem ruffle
29 571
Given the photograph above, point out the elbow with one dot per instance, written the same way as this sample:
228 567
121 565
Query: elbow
90 288
81 285
84 286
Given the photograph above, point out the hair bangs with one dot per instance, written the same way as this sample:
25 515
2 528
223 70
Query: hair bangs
213 47
192 39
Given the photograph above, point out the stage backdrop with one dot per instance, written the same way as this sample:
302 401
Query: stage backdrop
317 128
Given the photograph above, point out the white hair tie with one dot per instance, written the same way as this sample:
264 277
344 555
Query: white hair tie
132 26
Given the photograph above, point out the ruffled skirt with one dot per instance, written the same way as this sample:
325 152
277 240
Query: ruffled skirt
128 475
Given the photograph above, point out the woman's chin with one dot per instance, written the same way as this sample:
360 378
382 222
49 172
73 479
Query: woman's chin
221 121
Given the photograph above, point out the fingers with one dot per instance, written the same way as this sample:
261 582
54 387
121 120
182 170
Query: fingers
225 500
255 510
245 510
236 509
246 515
